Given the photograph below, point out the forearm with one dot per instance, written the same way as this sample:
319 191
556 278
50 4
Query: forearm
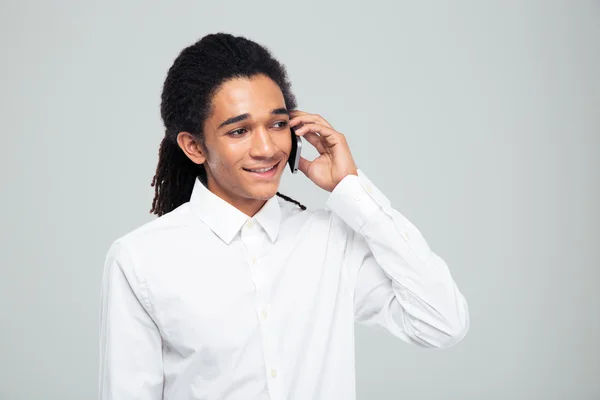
400 282
431 307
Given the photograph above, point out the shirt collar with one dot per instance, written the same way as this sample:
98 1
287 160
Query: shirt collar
225 220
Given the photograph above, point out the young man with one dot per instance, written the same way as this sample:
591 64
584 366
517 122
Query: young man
236 291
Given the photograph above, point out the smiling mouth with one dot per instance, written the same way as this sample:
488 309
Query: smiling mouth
263 170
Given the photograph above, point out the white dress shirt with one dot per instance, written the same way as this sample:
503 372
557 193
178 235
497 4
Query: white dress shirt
207 303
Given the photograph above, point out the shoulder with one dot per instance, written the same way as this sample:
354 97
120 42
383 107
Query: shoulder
154 236
316 221
178 219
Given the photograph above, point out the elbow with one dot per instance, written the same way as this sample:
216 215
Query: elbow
455 333
455 328
443 333
442 338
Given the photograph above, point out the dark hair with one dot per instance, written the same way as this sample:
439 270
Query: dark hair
186 101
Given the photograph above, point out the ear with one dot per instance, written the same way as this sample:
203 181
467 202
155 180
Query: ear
191 147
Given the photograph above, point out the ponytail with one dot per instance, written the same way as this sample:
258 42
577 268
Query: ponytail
175 177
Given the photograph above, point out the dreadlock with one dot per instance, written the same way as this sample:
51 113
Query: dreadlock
193 79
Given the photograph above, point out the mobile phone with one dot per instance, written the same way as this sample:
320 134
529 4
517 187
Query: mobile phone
294 160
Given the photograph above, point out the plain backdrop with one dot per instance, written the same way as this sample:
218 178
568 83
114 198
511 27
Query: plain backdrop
480 121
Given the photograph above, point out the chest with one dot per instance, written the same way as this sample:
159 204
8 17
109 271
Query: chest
223 298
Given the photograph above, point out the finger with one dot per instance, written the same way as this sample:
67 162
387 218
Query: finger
315 140
306 118
331 136
293 113
297 113
304 165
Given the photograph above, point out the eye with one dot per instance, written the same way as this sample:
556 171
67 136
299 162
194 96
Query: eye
237 132
281 124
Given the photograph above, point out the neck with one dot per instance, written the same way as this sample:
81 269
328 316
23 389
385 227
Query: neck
250 207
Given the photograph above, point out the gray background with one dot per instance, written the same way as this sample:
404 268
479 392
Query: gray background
479 120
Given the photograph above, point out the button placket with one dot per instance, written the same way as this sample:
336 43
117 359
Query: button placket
269 340
257 245
252 241
263 311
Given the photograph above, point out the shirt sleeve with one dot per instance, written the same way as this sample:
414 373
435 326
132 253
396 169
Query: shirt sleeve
130 342
400 284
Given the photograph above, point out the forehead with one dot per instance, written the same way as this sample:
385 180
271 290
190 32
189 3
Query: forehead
256 96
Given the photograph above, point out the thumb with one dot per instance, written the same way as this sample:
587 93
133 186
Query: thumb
304 165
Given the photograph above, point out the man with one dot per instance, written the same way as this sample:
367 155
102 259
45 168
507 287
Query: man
236 291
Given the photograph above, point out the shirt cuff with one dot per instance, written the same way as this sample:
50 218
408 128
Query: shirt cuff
355 199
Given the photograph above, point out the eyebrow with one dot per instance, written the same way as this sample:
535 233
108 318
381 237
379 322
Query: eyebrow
241 117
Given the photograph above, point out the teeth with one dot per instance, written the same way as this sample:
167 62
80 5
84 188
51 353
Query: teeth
262 169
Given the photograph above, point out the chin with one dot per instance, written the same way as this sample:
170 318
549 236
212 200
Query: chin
265 194
262 190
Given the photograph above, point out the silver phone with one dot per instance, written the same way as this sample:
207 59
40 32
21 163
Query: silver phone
294 160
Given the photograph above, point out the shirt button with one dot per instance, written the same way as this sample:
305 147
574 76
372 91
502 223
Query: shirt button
404 295
273 373
405 235
250 224
369 188
253 260
264 314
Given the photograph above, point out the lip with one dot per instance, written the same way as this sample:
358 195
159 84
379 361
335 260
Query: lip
265 175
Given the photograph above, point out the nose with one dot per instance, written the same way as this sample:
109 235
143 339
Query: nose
263 145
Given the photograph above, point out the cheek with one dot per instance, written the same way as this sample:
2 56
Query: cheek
284 142
227 158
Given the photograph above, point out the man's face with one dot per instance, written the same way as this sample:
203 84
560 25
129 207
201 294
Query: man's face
247 141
